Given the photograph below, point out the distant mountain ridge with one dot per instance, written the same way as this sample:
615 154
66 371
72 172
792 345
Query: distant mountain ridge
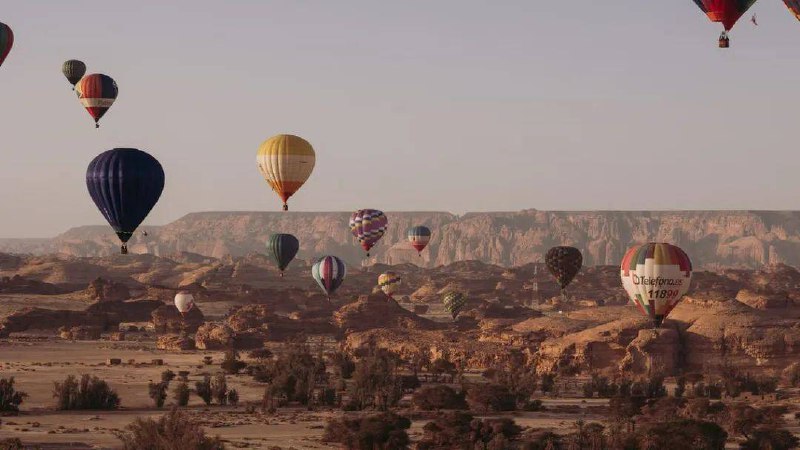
713 239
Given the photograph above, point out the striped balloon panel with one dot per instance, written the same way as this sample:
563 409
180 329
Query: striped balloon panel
286 162
73 70
725 11
283 248
419 237
6 41
656 276
389 283
125 184
368 226
794 7
97 93
329 273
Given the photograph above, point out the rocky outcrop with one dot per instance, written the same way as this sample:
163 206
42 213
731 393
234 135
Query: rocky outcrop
80 333
101 290
167 319
19 285
714 239
214 336
763 300
378 311
653 351
175 342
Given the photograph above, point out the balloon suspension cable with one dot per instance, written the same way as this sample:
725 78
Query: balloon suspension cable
285 207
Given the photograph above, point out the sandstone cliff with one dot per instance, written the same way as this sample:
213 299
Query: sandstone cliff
714 239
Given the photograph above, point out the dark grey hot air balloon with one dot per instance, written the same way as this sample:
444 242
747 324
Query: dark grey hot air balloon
283 248
73 70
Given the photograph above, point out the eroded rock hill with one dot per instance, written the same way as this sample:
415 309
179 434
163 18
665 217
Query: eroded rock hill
714 239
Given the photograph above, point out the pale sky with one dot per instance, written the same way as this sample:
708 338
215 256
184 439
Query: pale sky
450 105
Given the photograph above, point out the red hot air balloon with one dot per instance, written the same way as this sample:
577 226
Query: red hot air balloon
6 41
726 12
97 93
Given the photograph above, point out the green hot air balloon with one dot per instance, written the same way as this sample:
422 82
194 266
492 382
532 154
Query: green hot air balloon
73 70
283 248
454 302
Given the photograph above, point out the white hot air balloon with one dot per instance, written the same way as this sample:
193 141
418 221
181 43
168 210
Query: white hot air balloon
184 301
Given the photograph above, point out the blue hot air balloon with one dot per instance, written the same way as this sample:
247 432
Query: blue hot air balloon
125 184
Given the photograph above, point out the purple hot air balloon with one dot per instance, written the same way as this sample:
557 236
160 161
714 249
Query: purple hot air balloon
368 226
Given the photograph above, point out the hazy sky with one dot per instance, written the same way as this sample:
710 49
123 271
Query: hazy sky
411 105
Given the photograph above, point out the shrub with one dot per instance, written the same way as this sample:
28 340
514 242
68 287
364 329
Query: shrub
11 444
260 354
490 397
771 438
233 397
10 398
375 381
292 374
158 392
167 376
231 364
438 397
181 394
90 393
385 430
461 430
219 388
173 431
686 434
203 389
343 365
791 375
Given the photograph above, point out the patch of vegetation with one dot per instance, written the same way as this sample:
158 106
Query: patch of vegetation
438 397
181 394
10 398
88 393
375 431
173 431
158 392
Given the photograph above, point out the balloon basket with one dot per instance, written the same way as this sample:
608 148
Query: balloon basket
724 42
123 250
285 207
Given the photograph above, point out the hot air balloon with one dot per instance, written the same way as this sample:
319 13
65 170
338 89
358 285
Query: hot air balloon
656 276
73 70
564 263
329 272
368 226
389 283
454 302
184 301
286 162
419 237
97 93
125 184
726 12
283 248
6 41
793 5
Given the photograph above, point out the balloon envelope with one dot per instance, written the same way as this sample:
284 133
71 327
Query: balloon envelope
794 7
6 41
563 263
97 92
329 273
419 237
184 301
454 302
286 162
726 12
283 248
73 70
656 276
389 283
368 226
125 184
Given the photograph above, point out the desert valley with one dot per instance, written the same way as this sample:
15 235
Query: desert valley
534 368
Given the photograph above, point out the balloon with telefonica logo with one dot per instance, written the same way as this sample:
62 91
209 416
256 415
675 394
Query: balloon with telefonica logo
656 276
